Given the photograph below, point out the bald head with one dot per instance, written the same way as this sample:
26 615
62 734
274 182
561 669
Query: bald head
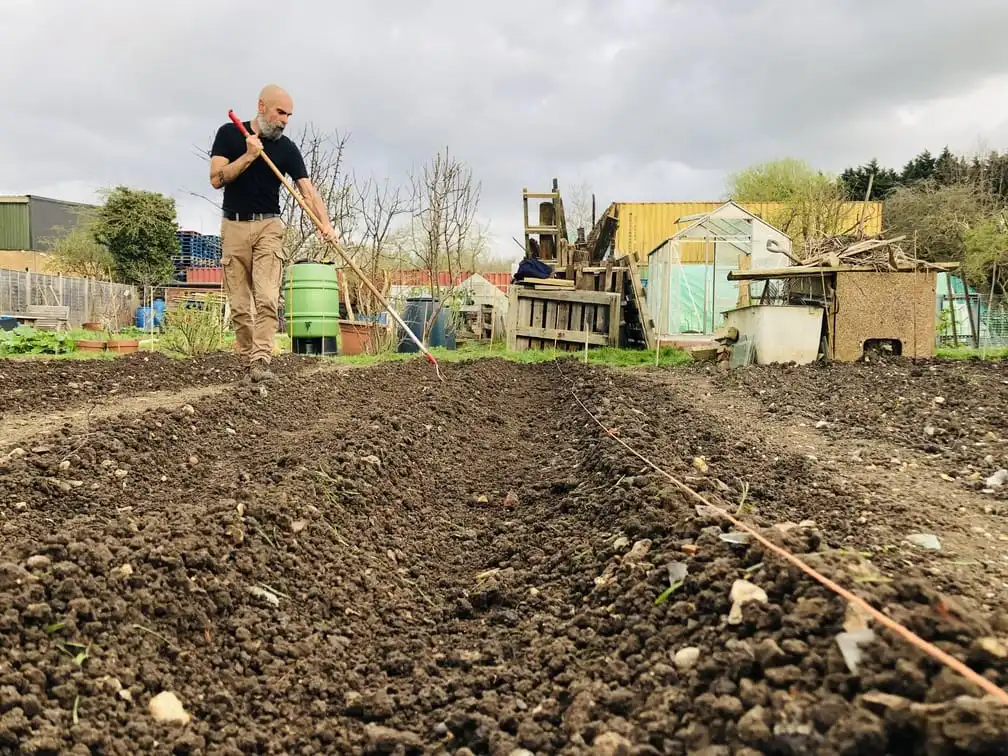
275 107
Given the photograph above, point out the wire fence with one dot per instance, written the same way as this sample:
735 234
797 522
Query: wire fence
969 318
88 300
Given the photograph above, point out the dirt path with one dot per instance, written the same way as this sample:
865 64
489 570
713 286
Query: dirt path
376 562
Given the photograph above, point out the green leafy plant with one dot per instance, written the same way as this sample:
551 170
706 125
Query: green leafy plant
138 228
28 340
194 328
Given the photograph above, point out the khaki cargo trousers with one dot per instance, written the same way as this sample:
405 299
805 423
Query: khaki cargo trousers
251 255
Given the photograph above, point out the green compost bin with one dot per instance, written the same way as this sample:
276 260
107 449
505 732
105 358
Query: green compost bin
311 307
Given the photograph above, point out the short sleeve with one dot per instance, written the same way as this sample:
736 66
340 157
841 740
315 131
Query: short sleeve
223 144
296 165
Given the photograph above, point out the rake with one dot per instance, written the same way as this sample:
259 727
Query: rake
346 258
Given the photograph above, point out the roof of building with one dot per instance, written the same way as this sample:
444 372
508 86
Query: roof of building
713 226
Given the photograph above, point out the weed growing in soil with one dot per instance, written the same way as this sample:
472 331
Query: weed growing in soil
195 329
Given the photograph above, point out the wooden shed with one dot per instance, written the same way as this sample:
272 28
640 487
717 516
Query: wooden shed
870 304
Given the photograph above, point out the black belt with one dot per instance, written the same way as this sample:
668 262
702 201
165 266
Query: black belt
249 216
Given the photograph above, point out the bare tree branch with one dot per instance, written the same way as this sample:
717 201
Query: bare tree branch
377 246
324 157
445 234
577 207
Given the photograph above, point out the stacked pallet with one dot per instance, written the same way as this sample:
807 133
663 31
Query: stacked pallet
197 251
579 299
581 306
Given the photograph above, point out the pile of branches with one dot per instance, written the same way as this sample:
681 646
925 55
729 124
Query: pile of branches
881 254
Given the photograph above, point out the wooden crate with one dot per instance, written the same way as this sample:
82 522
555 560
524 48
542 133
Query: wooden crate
568 320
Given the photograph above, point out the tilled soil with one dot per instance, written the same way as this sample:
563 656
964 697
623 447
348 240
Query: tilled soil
36 384
373 561
953 411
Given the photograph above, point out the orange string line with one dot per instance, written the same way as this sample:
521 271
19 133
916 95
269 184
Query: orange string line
907 634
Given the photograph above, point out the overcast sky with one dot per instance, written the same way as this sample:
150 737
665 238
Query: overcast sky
644 100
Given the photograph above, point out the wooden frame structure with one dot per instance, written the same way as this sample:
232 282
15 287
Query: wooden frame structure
586 302
566 320
552 225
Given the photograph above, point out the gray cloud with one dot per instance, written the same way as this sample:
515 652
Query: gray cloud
645 100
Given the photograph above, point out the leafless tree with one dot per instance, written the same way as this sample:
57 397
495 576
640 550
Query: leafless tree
444 219
376 246
324 158
577 202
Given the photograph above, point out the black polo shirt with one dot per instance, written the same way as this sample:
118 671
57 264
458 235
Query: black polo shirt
257 189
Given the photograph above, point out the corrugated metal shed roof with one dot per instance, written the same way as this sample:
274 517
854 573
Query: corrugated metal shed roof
642 226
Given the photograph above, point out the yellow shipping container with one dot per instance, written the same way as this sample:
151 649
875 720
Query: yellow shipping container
645 225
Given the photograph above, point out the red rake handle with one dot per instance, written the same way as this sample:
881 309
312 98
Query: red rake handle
430 357
238 122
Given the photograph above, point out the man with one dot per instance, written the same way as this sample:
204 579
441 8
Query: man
251 228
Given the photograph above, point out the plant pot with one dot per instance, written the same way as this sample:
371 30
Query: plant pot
92 326
123 346
358 337
91 345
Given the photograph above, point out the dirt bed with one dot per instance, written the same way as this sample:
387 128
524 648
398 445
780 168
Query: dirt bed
47 385
952 411
377 562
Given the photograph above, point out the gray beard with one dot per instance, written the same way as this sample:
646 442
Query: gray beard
266 131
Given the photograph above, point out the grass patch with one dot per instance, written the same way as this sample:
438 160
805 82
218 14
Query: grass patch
627 358
969 353
669 356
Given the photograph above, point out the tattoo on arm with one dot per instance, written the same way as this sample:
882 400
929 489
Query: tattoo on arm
225 174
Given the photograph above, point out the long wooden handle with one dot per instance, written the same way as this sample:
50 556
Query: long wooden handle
346 258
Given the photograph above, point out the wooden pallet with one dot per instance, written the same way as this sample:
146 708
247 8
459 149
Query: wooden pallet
567 320
579 266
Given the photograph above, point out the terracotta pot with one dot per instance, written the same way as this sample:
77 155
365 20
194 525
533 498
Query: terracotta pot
123 346
358 337
92 326
90 345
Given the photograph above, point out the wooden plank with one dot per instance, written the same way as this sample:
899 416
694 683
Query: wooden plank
512 319
548 335
538 318
647 324
614 322
818 270
563 316
524 319
551 316
547 283
527 232
584 297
